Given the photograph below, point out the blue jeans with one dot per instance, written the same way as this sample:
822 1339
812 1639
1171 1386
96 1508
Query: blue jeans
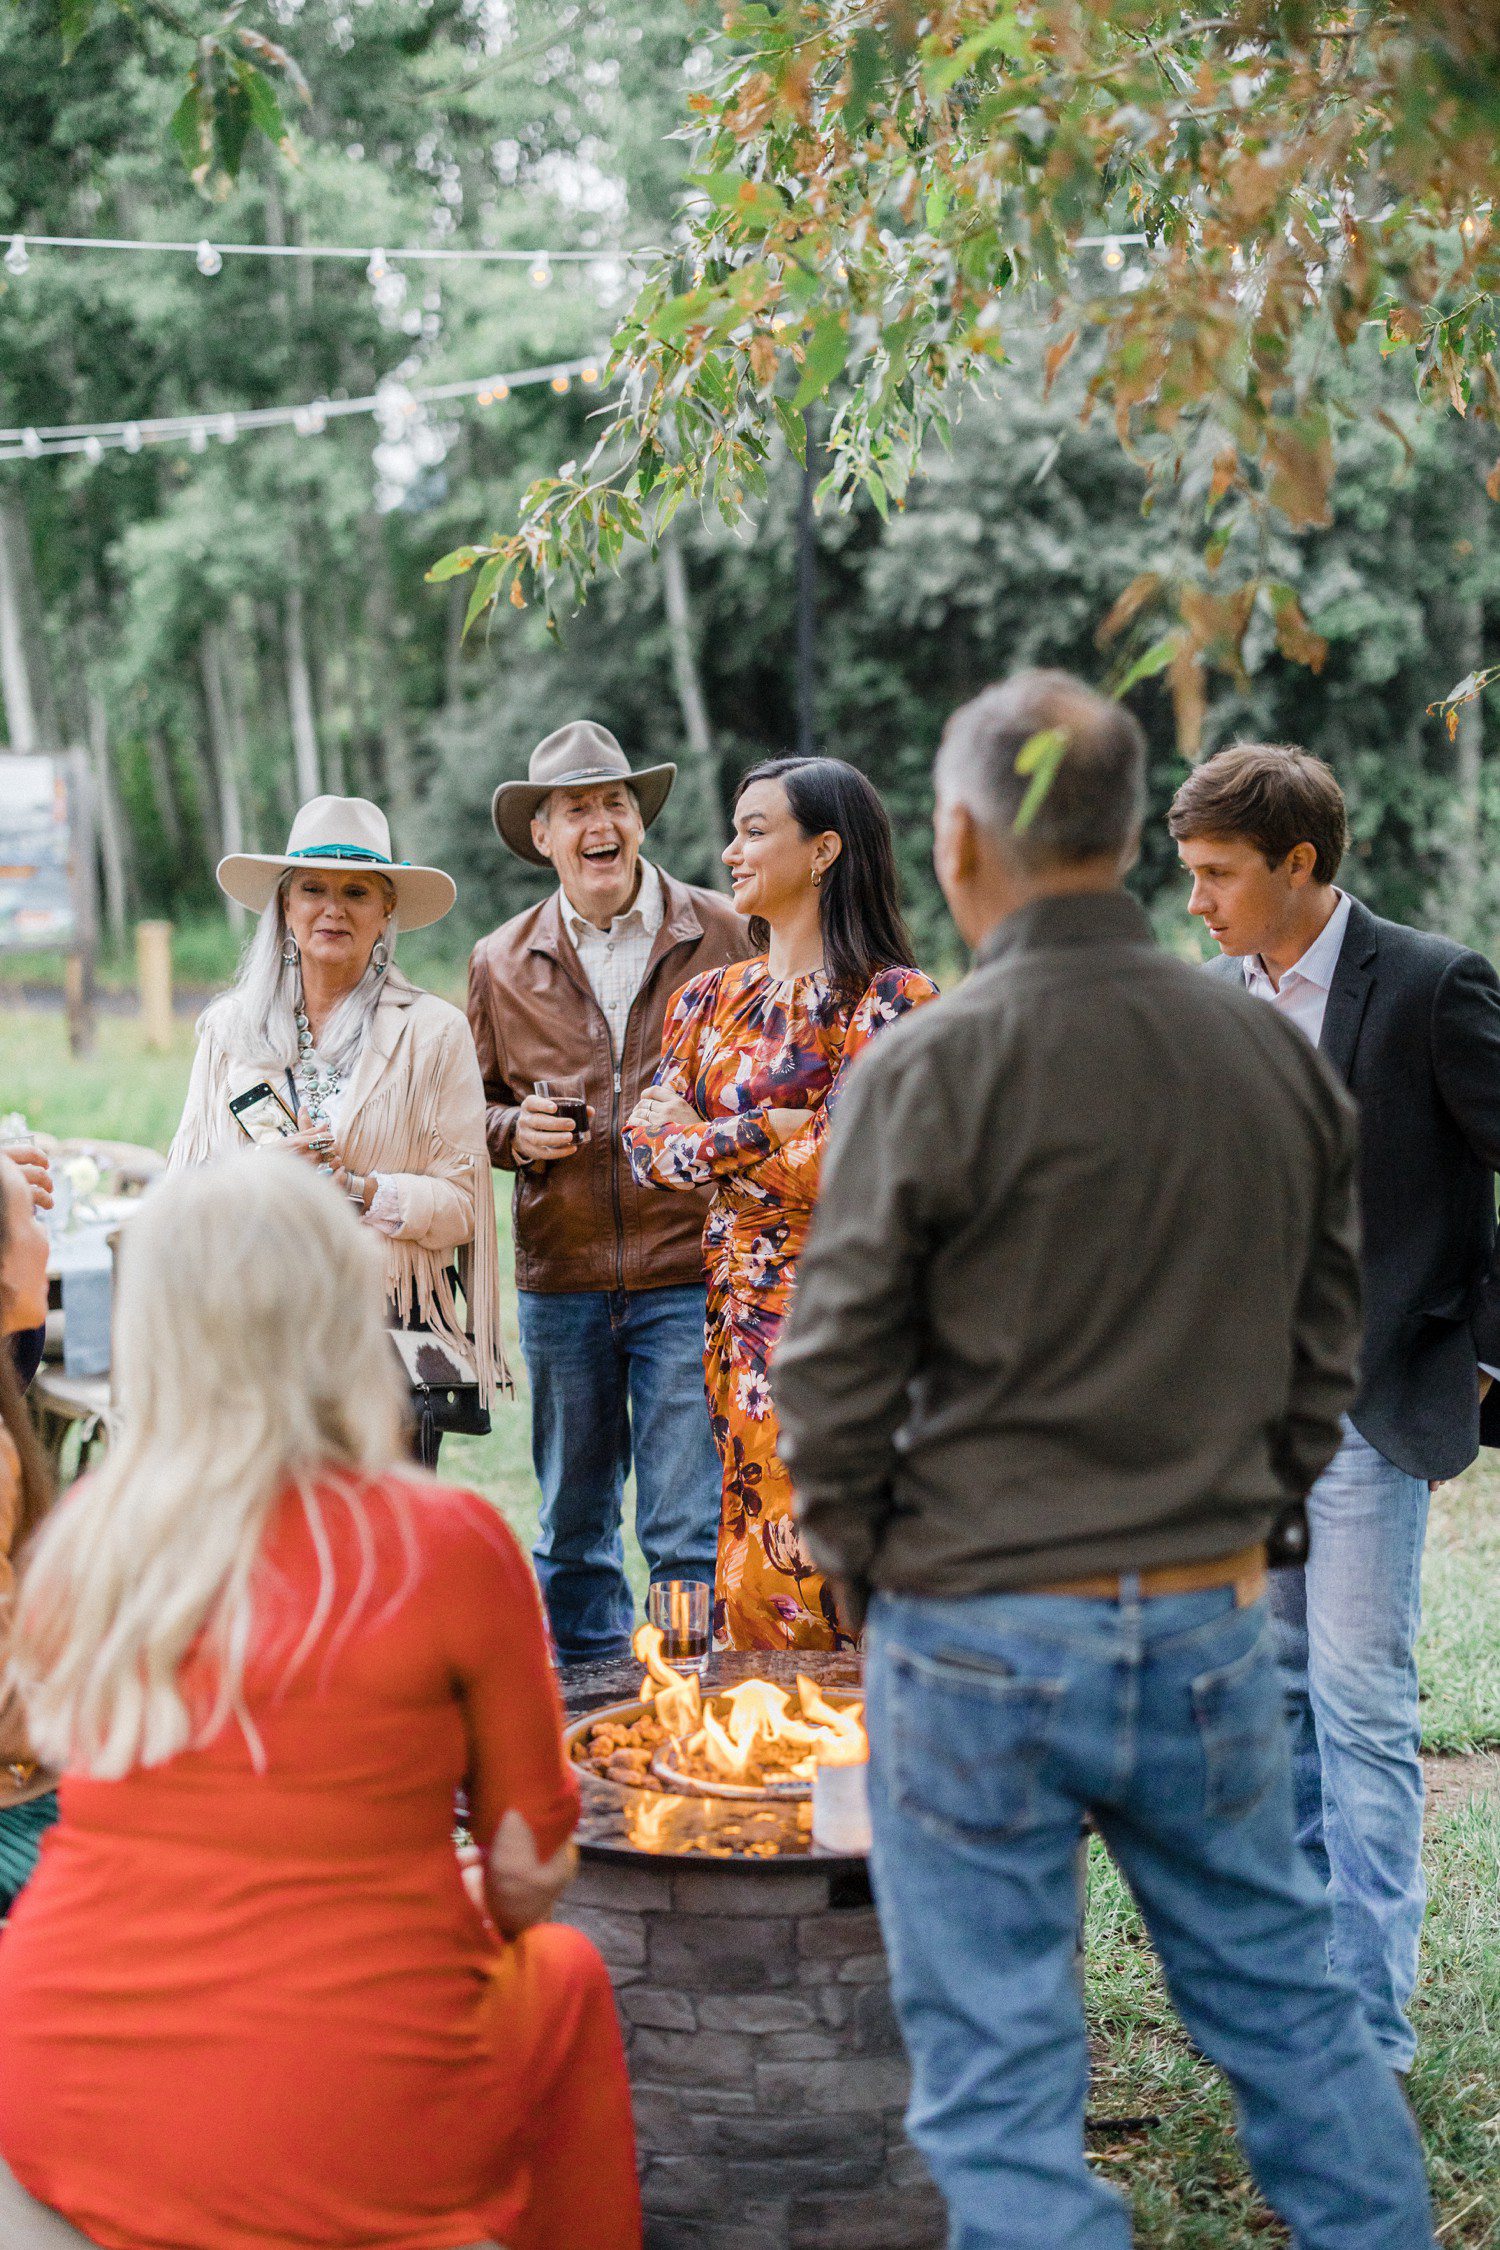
617 1374
1347 1633
995 1723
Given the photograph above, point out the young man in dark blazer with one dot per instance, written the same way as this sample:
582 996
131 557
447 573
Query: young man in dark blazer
1411 1023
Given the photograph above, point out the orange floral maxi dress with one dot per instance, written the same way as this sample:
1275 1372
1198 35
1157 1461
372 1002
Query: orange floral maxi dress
738 1043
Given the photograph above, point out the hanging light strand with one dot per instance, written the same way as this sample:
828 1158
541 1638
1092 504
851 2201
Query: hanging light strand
307 419
210 256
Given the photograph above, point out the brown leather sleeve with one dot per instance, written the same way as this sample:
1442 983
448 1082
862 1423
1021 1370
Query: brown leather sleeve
501 1106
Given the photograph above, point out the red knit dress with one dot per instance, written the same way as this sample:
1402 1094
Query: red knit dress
246 2002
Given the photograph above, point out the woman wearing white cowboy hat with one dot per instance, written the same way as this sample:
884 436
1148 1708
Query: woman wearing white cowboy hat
382 1078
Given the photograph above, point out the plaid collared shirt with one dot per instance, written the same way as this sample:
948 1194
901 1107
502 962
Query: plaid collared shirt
614 960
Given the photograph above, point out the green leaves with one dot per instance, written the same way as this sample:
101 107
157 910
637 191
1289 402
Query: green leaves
231 91
453 565
1040 757
827 353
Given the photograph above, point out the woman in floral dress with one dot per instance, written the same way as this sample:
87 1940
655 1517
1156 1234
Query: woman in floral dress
753 1058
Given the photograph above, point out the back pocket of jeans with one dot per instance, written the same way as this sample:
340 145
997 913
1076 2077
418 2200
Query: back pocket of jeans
1238 1714
968 1739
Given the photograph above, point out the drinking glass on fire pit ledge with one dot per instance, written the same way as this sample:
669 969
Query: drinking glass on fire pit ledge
679 1609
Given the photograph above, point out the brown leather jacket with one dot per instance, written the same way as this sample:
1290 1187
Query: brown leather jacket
583 1223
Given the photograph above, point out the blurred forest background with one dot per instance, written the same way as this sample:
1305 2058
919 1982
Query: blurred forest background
230 629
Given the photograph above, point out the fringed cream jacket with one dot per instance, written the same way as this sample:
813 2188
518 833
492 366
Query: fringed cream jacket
414 1113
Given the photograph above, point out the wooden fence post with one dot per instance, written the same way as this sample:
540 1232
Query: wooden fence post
153 969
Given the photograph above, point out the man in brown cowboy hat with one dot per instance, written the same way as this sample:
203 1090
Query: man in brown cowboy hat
571 996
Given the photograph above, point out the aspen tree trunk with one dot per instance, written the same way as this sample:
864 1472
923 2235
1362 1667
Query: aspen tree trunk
25 679
704 768
164 790
114 859
227 800
232 673
395 734
299 695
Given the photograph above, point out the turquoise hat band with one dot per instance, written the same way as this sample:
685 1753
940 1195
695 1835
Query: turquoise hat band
347 851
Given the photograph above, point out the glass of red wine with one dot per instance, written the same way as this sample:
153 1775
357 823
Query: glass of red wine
567 1096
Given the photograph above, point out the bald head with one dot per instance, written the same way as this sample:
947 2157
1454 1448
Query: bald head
1092 807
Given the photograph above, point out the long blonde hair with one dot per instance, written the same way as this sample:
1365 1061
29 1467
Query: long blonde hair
250 1354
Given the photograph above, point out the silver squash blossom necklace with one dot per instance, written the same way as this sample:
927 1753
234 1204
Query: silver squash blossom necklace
316 1087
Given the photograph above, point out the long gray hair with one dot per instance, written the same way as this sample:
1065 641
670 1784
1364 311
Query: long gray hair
257 1017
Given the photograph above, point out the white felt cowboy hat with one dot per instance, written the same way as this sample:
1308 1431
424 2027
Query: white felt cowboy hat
342 834
575 757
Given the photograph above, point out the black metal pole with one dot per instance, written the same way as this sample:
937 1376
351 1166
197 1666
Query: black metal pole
807 601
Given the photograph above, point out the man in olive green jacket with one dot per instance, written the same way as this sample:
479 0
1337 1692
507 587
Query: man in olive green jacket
1078 1317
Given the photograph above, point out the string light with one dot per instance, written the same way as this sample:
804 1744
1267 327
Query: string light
16 258
414 254
1468 227
539 272
377 269
308 419
1114 257
207 259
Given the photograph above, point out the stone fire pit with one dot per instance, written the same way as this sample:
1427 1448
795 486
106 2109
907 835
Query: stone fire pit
767 2067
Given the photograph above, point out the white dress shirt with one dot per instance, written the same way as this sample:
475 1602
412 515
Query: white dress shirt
1303 992
614 960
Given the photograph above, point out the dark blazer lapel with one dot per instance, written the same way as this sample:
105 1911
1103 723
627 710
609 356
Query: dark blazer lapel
1349 991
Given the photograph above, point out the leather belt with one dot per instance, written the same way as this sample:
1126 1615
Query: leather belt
1245 1571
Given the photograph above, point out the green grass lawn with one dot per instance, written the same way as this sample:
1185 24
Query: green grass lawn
1187 2182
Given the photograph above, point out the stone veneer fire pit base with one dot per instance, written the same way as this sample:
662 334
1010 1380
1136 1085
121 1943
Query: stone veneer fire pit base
765 2058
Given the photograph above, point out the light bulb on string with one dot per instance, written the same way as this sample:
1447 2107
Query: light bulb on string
377 269
560 383
227 429
93 452
132 437
208 260
540 271
317 419
588 374
31 444
197 438
17 257
1114 257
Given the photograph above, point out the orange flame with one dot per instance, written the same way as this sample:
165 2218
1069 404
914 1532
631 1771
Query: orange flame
757 1715
676 1695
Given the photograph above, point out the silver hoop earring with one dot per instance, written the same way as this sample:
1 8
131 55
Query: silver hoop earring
381 956
290 952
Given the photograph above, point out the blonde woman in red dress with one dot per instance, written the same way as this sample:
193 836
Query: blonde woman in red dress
248 2000
753 1059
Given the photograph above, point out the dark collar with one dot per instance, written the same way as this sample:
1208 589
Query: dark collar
1079 918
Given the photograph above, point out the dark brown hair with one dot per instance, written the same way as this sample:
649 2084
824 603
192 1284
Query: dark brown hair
36 1477
859 906
1271 794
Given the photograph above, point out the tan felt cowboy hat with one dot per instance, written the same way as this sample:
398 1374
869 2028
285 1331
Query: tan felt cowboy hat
573 758
344 834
